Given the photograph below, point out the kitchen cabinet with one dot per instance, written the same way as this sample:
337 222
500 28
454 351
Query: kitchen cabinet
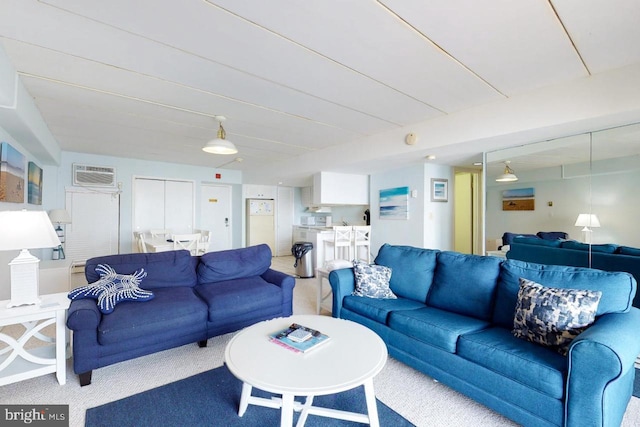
252 191
306 196
331 188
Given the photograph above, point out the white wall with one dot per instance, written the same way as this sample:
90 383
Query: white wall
430 224
126 169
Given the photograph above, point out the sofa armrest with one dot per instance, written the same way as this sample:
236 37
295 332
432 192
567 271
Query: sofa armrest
342 283
83 314
285 281
598 360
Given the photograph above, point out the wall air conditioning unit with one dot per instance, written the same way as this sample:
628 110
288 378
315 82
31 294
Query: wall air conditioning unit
94 176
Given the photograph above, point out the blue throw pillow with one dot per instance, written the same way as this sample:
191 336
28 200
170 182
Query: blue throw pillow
552 235
537 241
372 281
626 250
113 288
553 317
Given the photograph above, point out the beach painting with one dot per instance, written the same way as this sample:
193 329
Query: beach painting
34 184
521 199
11 174
394 203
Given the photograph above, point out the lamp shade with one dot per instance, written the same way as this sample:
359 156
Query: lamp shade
220 146
26 230
508 175
587 220
59 216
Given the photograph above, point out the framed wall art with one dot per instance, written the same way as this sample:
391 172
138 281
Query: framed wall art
34 184
11 174
439 190
521 199
394 203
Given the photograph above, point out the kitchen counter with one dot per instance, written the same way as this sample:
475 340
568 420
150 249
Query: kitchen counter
316 235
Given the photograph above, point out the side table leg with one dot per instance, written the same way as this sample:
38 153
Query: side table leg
372 407
305 411
244 398
61 347
319 296
286 414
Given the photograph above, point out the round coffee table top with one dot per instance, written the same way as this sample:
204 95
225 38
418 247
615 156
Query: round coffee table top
352 355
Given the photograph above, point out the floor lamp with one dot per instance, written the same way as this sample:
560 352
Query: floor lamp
25 230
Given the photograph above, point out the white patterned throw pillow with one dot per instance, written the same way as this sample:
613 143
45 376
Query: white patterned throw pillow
113 288
372 281
552 316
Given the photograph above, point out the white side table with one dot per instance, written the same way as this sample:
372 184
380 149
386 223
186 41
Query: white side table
322 275
16 362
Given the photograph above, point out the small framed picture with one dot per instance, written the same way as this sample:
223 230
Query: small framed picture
439 190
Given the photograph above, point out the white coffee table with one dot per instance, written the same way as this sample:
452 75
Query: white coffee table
352 357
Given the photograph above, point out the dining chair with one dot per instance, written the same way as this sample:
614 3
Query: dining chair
139 239
341 243
203 243
362 240
159 233
186 241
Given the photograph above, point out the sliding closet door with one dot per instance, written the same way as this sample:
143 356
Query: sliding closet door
163 204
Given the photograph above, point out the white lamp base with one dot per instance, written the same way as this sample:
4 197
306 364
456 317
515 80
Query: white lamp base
25 275
586 235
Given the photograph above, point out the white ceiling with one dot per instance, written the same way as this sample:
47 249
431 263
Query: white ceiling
143 79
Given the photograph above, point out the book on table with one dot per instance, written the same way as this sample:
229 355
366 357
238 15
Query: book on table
299 338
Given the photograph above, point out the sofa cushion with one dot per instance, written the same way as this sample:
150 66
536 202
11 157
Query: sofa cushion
171 309
233 264
379 309
538 241
113 288
626 250
164 269
553 317
552 235
603 248
465 284
233 299
617 288
527 363
412 270
435 327
372 281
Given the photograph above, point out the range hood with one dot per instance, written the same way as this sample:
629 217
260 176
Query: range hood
319 209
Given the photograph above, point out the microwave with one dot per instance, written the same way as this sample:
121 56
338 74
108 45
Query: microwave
319 221
308 220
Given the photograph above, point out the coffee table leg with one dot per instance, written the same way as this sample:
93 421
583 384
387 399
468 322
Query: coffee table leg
372 407
244 398
286 414
305 411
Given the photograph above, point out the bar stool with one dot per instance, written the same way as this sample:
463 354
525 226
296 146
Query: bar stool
342 246
362 239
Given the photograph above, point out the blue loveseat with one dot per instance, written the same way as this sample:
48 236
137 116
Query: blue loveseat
195 298
453 317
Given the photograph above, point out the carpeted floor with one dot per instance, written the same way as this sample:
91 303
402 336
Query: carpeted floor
211 398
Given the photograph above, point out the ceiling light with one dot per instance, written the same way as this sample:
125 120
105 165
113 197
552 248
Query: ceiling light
508 175
220 145
430 157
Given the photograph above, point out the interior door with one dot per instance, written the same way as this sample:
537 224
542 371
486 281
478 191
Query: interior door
95 225
215 215
284 221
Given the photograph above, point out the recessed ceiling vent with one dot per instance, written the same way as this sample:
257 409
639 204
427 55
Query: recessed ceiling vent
94 176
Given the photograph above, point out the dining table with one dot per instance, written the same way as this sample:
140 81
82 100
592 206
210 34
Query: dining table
159 244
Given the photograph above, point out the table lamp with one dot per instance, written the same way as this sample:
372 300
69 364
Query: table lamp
586 221
25 230
58 217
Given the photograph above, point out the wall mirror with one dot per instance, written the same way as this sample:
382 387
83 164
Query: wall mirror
591 173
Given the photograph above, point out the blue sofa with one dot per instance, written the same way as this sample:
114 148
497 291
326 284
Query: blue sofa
195 298
607 257
453 317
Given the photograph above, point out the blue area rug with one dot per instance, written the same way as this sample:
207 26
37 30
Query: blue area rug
211 399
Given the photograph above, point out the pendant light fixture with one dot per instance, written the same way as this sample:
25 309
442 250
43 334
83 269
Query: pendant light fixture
508 175
220 145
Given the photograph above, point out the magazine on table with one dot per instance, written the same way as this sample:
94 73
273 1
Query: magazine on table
299 338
